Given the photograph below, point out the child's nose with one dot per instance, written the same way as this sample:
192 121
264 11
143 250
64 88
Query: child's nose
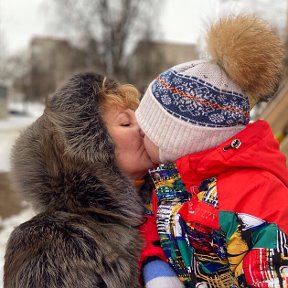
142 133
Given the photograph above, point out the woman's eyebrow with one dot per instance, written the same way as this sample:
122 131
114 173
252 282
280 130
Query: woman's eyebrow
121 114
124 112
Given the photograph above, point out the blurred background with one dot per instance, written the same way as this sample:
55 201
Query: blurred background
43 42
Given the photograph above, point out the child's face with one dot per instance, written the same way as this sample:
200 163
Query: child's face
152 150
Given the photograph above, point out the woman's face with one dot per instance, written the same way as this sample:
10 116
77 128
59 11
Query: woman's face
131 155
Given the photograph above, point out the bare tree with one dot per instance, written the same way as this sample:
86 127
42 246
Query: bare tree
14 67
106 28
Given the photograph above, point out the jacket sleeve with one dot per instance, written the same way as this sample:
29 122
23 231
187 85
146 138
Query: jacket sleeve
266 264
256 235
150 235
257 250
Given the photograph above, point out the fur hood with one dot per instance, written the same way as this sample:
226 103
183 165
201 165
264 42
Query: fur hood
65 160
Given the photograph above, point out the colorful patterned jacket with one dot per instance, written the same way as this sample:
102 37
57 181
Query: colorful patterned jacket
227 225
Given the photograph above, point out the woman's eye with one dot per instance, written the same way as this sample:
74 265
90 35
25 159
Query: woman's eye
125 124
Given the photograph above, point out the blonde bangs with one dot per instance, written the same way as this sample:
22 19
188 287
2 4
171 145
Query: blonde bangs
123 96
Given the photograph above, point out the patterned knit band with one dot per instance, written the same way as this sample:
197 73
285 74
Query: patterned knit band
192 107
191 99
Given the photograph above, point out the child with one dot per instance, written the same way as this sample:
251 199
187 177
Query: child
221 204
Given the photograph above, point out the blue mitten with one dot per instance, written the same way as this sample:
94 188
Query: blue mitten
158 274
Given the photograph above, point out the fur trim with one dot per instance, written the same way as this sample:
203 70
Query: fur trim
250 52
66 161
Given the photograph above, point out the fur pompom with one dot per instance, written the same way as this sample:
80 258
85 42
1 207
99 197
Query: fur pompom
250 52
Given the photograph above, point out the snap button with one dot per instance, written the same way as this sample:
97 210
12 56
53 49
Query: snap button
235 144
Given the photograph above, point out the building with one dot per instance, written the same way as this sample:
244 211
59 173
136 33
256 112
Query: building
151 58
3 102
52 61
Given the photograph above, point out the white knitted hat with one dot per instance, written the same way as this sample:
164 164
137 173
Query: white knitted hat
179 112
196 105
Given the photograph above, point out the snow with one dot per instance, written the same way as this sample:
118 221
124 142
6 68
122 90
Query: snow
10 128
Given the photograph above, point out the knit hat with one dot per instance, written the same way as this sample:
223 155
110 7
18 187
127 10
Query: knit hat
200 104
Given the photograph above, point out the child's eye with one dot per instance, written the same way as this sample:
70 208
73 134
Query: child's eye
125 124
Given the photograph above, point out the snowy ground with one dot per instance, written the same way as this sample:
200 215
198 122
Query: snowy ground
10 128
9 131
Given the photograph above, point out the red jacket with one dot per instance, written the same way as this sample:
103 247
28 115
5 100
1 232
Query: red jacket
252 179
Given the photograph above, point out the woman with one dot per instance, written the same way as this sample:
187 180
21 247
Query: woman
76 164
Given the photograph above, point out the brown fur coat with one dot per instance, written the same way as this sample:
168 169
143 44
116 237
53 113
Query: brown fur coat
85 234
